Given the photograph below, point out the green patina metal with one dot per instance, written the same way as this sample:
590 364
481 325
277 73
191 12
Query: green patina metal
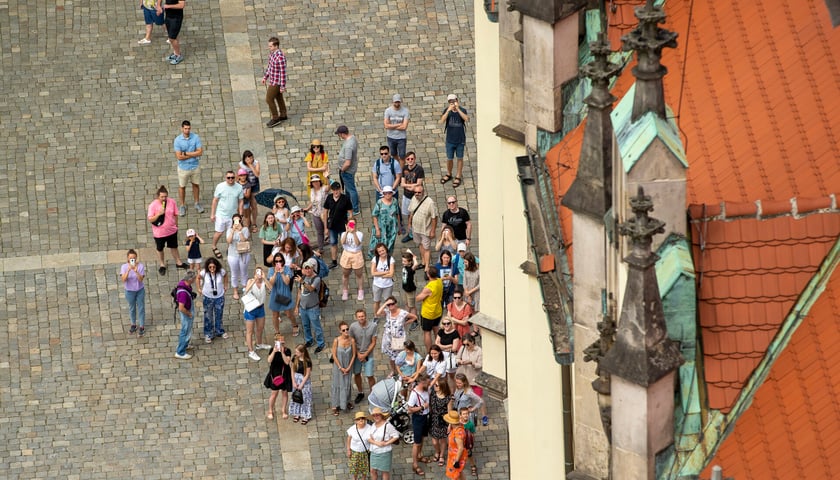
634 138
719 426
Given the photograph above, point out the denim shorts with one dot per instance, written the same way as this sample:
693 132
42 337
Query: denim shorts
364 367
150 16
254 314
397 147
454 149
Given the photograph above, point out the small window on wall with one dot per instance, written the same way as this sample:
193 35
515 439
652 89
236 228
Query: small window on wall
491 7
833 11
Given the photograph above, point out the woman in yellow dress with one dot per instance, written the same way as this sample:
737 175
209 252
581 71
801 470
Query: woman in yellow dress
317 163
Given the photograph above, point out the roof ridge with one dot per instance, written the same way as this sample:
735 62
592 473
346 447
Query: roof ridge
796 207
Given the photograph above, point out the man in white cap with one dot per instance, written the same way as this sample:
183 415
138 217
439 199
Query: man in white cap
454 119
307 306
396 123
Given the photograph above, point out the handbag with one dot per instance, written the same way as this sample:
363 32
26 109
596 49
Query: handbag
250 302
281 299
243 246
297 396
397 342
278 380
303 238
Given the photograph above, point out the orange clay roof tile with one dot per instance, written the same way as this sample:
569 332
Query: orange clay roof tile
792 428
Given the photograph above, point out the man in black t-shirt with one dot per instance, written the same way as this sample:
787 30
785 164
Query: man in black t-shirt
337 211
459 219
174 10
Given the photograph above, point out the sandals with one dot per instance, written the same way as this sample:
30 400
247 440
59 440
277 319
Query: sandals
427 459
296 419
285 416
417 470
217 253
295 331
457 182
336 410
445 178
270 415
304 421
253 229
474 471
440 460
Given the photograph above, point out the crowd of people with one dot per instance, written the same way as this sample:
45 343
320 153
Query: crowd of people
281 264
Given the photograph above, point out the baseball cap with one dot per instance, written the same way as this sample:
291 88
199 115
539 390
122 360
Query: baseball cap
190 232
242 171
397 98
462 247
451 96
314 178
335 186
342 129
295 209
311 263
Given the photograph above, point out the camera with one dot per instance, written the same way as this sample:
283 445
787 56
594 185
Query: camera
132 261
215 292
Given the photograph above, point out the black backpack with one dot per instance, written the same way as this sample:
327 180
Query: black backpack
174 294
323 294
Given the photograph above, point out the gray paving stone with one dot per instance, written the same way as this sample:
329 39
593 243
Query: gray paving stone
88 122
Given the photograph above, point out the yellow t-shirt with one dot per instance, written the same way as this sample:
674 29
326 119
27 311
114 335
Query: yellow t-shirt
317 162
432 307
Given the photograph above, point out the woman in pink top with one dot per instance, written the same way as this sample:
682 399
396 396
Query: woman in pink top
163 215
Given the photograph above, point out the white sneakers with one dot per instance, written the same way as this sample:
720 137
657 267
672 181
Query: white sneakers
253 356
144 41
262 346
185 356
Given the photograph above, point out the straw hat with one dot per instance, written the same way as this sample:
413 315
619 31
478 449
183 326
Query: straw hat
378 411
452 418
360 415
315 142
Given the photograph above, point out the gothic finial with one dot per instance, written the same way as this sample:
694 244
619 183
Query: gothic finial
642 227
648 40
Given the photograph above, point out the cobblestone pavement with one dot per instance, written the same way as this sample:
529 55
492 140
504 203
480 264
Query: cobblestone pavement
88 120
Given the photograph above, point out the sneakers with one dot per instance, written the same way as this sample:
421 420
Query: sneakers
185 356
357 213
262 346
162 270
401 231
485 421
199 208
361 295
274 122
182 266
178 59
253 356
320 348
141 332
333 265
413 326
359 398
182 211
345 296
309 344
409 237
143 41
207 339
132 329
224 335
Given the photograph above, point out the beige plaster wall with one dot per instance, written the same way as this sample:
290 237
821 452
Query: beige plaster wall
526 360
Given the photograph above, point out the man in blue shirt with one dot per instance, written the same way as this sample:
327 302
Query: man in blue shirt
454 118
188 150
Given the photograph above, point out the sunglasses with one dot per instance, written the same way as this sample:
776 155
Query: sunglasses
384 154
315 146
450 203
390 304
345 329
446 323
457 297
229 178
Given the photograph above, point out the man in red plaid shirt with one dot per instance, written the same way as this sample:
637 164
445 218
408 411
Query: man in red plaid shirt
275 76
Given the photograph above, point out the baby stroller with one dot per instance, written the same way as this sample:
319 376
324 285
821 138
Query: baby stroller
386 394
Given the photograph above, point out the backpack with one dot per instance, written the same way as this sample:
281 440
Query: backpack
378 163
323 269
174 294
323 294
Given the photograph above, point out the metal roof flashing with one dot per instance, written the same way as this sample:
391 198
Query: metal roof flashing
634 138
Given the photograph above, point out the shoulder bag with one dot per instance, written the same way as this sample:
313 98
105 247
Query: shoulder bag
397 342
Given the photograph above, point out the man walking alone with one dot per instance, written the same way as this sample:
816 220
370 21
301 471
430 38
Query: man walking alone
275 77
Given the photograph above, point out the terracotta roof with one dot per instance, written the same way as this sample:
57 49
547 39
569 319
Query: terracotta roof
562 162
750 272
792 428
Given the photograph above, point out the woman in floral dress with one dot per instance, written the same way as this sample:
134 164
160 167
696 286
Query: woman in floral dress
385 216
395 320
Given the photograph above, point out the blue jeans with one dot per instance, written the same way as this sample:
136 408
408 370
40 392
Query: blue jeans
349 181
186 332
311 319
213 309
137 306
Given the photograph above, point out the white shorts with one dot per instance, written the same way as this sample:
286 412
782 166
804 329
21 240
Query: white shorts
405 202
194 260
222 224
381 293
